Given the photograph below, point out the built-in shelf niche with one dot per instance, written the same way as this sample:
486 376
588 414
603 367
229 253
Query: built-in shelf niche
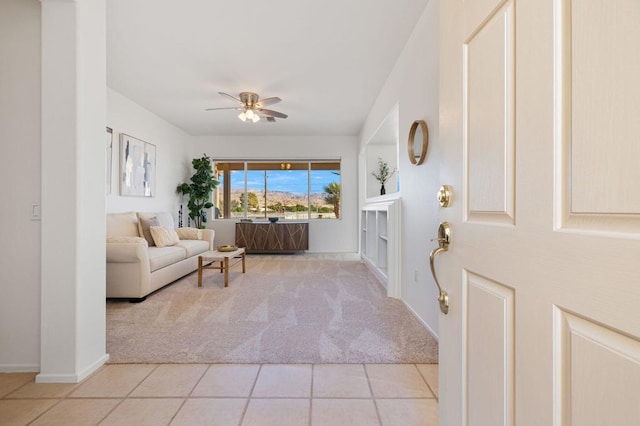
380 242
384 145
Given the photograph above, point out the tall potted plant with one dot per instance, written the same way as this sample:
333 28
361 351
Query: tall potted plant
199 190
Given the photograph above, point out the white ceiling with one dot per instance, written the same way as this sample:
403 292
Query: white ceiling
327 60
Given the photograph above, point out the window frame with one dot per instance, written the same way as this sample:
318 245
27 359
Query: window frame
224 202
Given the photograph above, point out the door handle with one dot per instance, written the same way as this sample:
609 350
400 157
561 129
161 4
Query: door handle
444 236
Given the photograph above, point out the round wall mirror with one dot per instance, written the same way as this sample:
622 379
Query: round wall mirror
418 142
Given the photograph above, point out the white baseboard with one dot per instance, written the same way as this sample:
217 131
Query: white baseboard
19 368
415 314
337 255
382 281
73 378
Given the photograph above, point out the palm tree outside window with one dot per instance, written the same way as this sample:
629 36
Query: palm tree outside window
287 189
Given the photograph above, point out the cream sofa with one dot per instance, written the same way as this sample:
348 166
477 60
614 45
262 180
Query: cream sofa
135 268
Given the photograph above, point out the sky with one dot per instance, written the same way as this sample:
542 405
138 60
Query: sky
294 181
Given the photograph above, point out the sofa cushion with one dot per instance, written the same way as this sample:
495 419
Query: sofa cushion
163 236
189 233
122 225
125 240
159 257
144 225
164 218
193 247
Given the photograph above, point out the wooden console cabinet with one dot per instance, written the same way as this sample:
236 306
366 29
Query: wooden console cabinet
254 236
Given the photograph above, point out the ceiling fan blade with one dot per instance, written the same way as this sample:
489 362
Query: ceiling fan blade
271 113
229 96
268 101
271 120
214 109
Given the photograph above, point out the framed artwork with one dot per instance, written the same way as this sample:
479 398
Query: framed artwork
137 167
108 156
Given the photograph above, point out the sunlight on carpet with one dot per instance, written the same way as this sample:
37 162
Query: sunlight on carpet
285 309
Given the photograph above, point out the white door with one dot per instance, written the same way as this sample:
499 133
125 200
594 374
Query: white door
540 135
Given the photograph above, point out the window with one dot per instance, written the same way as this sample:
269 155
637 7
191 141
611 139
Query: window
290 190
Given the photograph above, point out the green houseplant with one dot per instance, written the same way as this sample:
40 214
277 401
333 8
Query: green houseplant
199 190
383 174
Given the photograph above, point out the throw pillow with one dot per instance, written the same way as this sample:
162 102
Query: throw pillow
145 224
189 233
164 236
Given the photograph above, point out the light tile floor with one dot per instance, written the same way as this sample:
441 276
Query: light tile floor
229 394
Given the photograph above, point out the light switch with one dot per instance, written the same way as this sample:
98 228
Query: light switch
35 211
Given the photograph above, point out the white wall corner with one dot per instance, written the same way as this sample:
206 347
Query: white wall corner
423 322
73 378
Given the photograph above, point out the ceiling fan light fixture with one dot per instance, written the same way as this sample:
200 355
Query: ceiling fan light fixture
251 107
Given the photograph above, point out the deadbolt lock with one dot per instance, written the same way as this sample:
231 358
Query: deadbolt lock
444 195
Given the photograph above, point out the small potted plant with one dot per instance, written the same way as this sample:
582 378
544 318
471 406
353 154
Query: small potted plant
383 174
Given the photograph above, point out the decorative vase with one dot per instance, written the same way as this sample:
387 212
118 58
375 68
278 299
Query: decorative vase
382 190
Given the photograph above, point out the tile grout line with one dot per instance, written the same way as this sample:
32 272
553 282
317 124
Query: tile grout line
60 399
184 401
46 411
354 398
246 405
261 398
189 395
128 394
427 382
375 403
153 370
19 387
313 368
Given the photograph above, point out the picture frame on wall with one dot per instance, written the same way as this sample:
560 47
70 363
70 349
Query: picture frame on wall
108 160
137 167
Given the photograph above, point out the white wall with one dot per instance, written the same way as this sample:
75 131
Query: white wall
73 227
90 226
413 84
20 117
325 236
173 155
20 176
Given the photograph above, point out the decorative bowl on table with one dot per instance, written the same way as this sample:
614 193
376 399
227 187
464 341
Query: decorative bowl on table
227 248
273 219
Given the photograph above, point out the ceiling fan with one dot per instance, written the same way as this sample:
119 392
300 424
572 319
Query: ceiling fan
252 107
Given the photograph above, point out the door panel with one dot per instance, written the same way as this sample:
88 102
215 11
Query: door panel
598 367
597 66
543 326
603 108
489 329
489 123
476 12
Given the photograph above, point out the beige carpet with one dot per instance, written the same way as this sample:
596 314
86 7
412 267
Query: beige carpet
285 309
